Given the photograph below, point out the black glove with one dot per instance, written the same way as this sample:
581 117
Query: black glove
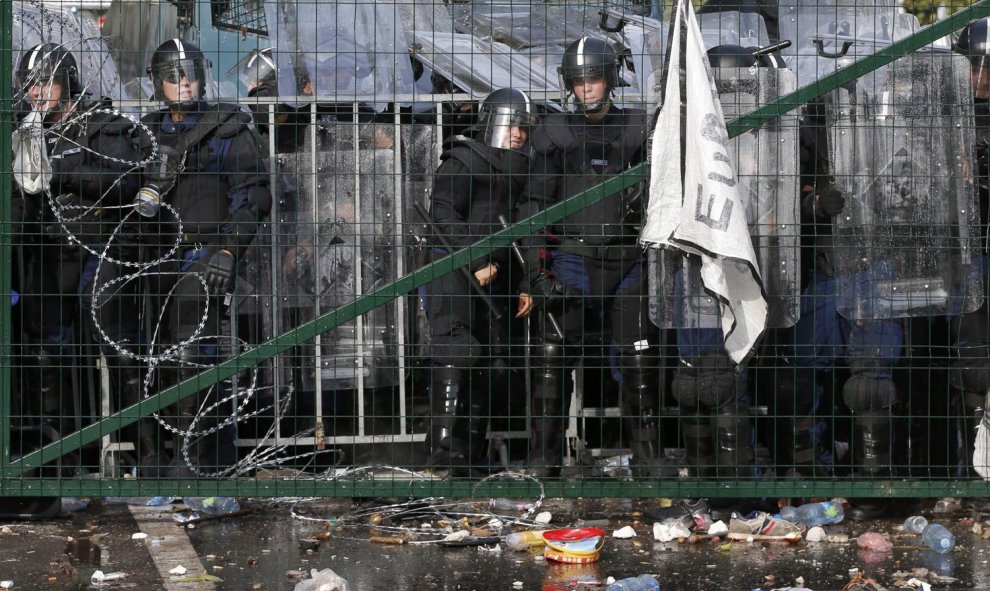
219 270
830 201
546 289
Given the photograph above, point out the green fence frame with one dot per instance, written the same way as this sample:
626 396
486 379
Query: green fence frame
13 483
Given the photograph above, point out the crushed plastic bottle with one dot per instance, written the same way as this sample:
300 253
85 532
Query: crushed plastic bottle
874 542
510 505
212 505
915 524
640 583
812 514
938 538
524 540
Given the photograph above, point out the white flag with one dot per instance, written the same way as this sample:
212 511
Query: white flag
694 200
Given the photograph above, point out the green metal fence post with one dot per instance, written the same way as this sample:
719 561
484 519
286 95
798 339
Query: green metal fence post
6 128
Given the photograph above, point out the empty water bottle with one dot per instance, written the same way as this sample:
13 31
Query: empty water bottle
915 524
938 538
640 583
212 505
812 514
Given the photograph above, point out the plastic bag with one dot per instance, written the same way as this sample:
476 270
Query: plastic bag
324 580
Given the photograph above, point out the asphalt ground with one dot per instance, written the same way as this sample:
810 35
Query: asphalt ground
273 543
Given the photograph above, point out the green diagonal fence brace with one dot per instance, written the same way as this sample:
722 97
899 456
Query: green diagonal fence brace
412 281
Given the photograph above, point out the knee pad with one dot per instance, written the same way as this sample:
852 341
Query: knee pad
711 382
640 381
864 393
549 365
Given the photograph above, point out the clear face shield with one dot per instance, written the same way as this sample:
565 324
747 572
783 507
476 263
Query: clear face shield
508 129
254 70
182 81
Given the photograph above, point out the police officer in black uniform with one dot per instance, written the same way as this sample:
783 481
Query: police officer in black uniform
209 168
971 372
481 175
91 148
586 271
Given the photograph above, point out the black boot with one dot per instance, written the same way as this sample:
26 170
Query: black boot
797 450
447 386
641 390
699 448
872 441
128 383
477 418
734 456
545 438
48 381
194 441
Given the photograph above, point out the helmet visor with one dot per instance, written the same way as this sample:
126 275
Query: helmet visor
254 68
170 80
194 70
508 128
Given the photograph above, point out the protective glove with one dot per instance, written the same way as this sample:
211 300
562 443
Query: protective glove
830 201
546 289
219 270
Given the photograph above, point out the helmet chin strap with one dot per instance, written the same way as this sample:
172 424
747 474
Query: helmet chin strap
596 107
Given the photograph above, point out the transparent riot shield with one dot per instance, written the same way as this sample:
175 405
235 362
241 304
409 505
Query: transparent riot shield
644 41
733 28
829 35
339 51
901 151
478 67
338 239
766 164
36 23
543 30
522 23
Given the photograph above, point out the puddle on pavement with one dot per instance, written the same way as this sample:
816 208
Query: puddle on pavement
84 552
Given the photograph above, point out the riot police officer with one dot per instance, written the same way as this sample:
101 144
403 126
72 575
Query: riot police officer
91 150
586 271
208 167
970 377
481 175
823 338
710 389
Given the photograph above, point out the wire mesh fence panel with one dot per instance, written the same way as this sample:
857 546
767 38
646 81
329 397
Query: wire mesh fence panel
494 248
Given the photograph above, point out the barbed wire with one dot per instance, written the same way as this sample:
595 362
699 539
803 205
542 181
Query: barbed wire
156 354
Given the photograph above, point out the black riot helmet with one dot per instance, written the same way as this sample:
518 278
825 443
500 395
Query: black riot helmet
174 60
974 43
256 70
47 63
737 56
503 110
585 58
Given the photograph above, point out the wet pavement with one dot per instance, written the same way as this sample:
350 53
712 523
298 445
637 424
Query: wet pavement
258 549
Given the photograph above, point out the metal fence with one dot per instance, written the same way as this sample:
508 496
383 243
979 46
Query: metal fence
328 371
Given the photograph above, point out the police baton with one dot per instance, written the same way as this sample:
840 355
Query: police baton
475 284
522 261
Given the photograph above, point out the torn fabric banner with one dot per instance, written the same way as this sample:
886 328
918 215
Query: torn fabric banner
694 204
